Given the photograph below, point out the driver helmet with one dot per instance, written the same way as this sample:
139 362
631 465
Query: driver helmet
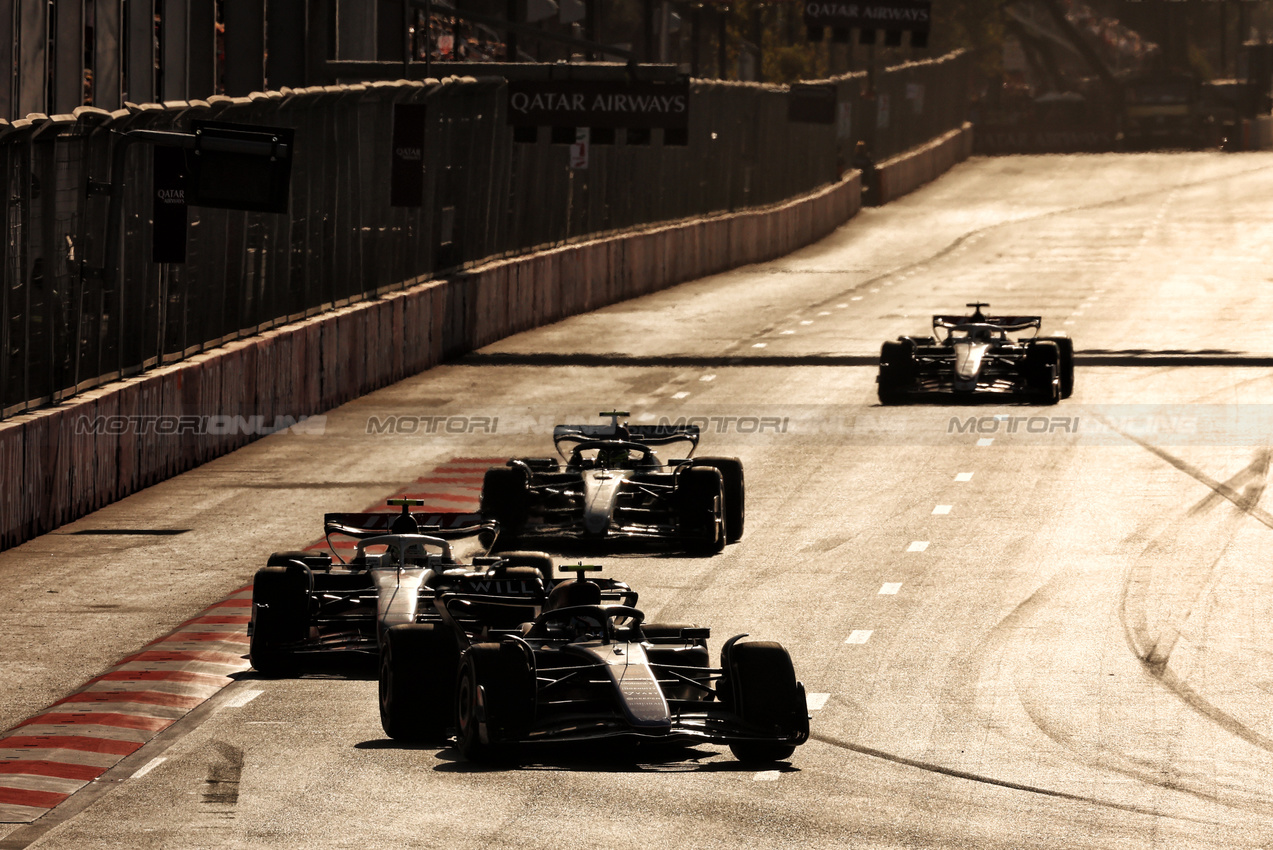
981 334
612 458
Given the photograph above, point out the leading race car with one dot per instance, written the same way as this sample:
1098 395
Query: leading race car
307 606
974 357
613 485
585 667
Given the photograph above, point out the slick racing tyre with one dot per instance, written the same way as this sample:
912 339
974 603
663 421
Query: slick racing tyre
1042 371
506 500
1065 346
897 371
700 494
418 663
494 699
731 471
763 691
280 618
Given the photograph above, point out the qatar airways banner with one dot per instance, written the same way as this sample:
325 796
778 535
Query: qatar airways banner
577 103
889 15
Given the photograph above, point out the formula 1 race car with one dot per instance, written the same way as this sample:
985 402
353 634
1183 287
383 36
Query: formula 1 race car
305 606
614 486
973 357
584 667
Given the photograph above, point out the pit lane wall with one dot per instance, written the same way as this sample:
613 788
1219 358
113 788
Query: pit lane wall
63 462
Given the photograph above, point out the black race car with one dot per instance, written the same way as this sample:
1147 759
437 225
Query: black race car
575 664
978 357
307 606
613 486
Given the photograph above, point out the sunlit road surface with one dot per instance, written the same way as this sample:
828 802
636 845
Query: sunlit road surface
1022 627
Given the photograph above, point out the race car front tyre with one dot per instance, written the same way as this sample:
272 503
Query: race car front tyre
505 499
418 662
700 495
731 471
280 617
1065 346
494 699
897 370
764 692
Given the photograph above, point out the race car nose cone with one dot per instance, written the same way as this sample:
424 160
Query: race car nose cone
968 357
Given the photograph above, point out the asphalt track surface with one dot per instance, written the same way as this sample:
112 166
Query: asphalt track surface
1024 627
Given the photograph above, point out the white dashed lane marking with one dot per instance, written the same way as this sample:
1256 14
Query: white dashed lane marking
917 546
941 510
767 776
706 378
859 636
856 298
841 306
680 395
964 476
986 441
785 333
890 588
148 767
816 701
807 322
761 345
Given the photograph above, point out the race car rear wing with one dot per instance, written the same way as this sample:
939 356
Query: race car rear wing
650 435
448 526
1011 324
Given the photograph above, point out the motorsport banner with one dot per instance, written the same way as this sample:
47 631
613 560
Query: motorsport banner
579 103
890 15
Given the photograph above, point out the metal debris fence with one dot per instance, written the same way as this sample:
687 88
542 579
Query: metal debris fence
63 331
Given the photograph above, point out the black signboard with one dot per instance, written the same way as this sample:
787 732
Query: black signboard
812 104
168 207
240 166
406 170
914 16
577 103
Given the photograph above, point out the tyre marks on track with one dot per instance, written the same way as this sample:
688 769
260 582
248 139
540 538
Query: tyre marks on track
47 758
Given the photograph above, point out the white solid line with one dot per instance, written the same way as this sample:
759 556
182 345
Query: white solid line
890 588
241 699
941 510
767 776
964 476
986 441
816 702
681 394
148 767
761 345
706 378
859 636
917 546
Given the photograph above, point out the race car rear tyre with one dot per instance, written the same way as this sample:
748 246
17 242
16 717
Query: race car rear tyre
1066 347
731 471
494 700
1042 370
505 499
541 561
700 495
418 662
280 616
764 692
897 370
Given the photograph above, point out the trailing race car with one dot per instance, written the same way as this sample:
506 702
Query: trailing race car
305 606
974 356
614 486
585 667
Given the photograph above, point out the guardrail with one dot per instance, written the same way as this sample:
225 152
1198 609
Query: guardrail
63 329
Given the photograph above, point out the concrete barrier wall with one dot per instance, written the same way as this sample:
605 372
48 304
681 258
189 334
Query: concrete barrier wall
63 462
903 174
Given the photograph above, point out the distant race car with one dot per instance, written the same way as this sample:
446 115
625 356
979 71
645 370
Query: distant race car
614 487
578 664
305 606
973 357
